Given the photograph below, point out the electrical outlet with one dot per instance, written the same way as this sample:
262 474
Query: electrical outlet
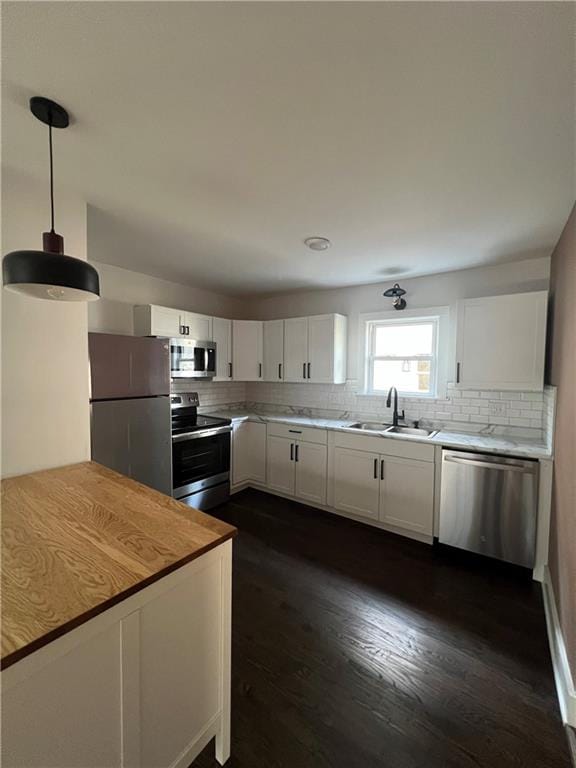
498 407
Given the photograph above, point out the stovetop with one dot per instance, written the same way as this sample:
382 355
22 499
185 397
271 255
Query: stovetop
183 423
185 417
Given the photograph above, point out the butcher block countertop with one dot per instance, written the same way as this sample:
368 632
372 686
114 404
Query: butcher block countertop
78 539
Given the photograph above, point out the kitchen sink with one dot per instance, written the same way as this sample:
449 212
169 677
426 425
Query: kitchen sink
411 431
370 426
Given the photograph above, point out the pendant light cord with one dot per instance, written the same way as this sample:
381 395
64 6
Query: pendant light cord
51 180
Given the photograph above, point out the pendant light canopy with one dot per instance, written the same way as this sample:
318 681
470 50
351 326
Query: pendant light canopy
49 274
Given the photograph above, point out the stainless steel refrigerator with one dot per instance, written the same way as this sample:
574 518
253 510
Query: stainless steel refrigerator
130 407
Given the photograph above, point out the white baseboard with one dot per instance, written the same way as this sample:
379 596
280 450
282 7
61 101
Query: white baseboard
562 672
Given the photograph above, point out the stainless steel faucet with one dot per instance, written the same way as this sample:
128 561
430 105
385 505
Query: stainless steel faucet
395 414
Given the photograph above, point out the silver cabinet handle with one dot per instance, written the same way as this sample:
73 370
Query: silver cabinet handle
259 370
308 370
291 451
296 457
381 469
375 469
230 370
279 370
457 373
303 370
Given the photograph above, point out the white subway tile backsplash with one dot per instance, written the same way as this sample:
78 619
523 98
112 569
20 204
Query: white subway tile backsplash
498 412
519 414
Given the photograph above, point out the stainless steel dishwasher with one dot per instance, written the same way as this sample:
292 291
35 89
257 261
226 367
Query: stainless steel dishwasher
488 504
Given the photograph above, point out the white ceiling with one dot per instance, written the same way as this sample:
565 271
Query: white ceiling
210 139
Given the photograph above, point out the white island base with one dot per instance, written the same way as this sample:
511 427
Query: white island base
145 684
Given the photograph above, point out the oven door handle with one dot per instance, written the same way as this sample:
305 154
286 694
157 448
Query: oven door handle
201 434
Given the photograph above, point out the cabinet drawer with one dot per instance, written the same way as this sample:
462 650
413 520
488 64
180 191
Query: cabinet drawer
385 446
296 432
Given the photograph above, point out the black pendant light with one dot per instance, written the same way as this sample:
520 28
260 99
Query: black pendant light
49 274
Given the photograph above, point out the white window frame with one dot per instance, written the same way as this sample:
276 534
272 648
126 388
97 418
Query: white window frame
438 372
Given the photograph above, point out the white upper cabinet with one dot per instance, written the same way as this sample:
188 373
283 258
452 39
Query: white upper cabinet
315 349
222 335
198 327
247 350
273 350
308 349
327 349
501 342
295 348
151 320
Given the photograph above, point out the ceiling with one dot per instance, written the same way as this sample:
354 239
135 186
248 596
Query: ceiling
210 139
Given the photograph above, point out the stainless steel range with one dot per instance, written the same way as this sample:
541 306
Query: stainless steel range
200 454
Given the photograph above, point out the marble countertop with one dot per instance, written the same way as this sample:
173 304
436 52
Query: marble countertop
501 444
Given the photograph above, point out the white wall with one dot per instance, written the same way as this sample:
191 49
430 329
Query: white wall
121 289
428 291
45 386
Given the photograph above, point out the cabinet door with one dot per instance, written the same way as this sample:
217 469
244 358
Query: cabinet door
222 335
273 350
199 326
311 464
500 342
280 464
249 452
295 349
69 712
151 320
321 349
356 483
247 350
407 494
179 638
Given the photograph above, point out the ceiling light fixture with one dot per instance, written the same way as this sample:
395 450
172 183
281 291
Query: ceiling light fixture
317 243
396 293
49 274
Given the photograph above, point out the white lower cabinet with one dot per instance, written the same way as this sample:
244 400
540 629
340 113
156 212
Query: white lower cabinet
297 468
280 464
310 481
387 482
398 492
407 494
248 452
145 684
356 483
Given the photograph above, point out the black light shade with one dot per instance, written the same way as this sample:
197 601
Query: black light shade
52 276
49 274
394 291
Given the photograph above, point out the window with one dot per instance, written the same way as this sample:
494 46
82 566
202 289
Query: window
403 353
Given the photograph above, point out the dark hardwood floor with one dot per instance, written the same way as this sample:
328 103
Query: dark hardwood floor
355 648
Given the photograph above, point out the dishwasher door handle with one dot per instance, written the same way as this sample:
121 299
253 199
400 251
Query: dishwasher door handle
491 465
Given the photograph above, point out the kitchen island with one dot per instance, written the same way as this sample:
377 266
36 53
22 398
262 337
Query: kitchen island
116 623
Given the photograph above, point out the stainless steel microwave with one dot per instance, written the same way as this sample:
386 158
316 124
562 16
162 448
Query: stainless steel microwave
191 359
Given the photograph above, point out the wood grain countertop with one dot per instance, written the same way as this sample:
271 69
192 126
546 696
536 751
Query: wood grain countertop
78 539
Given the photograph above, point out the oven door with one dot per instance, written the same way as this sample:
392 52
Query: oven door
200 460
191 359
